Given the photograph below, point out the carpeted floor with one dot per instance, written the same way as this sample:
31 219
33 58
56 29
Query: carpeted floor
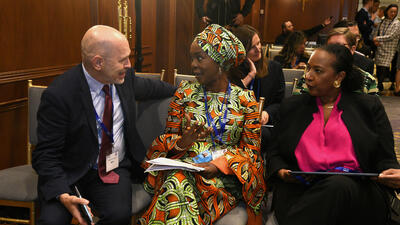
392 107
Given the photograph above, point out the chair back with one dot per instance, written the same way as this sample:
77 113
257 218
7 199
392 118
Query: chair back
34 95
156 76
273 52
151 119
180 77
290 74
290 86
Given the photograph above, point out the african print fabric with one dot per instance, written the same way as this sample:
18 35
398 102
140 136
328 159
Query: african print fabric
221 45
182 197
369 87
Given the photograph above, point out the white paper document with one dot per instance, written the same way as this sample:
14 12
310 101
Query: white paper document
171 164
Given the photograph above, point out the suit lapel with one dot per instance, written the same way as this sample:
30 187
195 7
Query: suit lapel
87 103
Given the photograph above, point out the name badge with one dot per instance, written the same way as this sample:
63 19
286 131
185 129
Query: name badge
112 161
207 156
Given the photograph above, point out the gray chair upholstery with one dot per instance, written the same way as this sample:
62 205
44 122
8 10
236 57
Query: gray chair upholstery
237 216
150 122
18 185
151 119
180 77
140 198
156 76
273 52
271 219
290 74
289 87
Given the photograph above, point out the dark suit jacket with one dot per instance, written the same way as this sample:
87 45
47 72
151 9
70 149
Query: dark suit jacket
67 135
281 39
364 117
223 12
271 87
364 25
364 63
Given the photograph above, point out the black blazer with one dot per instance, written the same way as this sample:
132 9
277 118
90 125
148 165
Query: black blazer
67 135
271 87
365 119
364 63
364 24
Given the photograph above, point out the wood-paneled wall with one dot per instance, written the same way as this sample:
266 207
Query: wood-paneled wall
315 11
41 39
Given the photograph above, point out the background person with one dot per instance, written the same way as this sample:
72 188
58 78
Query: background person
386 39
293 55
223 12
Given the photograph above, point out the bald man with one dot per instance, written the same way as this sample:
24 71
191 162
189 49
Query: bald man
87 134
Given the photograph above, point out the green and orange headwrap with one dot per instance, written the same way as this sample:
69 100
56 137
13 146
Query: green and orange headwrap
221 45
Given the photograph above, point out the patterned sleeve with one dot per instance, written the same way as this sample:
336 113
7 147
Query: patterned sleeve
393 32
245 159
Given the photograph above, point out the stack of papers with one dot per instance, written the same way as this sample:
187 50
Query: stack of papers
171 164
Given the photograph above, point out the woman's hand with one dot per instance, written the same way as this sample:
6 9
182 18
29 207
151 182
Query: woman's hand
264 117
285 175
210 170
251 75
192 133
390 178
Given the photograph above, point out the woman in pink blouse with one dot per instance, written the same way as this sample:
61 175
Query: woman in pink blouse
333 129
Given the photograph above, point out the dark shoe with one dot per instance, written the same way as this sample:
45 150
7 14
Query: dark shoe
392 87
396 93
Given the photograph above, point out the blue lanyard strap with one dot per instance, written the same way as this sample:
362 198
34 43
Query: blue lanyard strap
103 127
210 121
252 84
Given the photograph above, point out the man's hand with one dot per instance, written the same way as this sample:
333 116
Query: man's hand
327 21
210 171
72 202
206 20
238 20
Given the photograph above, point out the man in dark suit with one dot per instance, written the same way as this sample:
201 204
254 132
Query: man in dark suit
365 21
224 13
87 133
288 28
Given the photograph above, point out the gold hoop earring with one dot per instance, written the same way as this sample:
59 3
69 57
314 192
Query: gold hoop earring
336 84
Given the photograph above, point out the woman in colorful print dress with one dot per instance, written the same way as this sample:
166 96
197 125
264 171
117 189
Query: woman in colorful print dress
209 116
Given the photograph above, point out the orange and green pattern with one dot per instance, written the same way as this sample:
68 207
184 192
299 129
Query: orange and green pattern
182 197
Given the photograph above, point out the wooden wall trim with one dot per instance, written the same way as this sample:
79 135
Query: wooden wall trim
28 74
13 104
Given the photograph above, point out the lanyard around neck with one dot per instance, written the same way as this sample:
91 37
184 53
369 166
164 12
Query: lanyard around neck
210 121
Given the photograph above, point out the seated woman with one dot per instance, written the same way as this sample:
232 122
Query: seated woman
293 55
261 75
332 128
209 116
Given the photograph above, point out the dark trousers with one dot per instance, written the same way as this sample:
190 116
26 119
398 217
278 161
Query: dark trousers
382 72
335 200
111 202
